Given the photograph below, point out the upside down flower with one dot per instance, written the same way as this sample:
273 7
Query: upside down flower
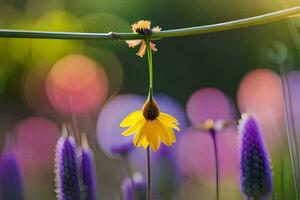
142 27
256 175
150 126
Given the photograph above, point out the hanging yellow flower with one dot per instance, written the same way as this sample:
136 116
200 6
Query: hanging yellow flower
150 126
142 27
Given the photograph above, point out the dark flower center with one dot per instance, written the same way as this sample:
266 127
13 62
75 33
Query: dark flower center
150 110
144 31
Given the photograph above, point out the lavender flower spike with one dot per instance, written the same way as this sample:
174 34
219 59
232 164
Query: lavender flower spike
256 175
88 171
11 186
135 191
66 168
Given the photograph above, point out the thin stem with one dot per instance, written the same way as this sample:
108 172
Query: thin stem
130 174
150 63
148 175
235 24
213 135
282 176
289 126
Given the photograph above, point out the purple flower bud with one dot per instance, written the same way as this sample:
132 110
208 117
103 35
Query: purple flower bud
256 175
122 149
67 170
88 171
11 186
135 191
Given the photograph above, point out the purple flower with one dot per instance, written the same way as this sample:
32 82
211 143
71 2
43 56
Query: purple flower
122 149
11 186
135 191
256 175
88 171
67 170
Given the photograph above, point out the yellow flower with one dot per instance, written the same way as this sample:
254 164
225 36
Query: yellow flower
142 27
150 126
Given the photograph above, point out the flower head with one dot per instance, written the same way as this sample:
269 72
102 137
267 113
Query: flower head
11 185
66 168
213 126
256 175
142 27
135 190
122 149
88 170
150 126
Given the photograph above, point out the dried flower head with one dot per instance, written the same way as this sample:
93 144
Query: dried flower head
88 171
66 168
256 175
142 27
150 126
213 126
135 191
11 185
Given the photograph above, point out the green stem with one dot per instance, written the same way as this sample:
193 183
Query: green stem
235 24
148 175
290 128
150 63
213 135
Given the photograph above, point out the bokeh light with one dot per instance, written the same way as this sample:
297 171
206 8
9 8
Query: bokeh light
209 103
36 139
260 94
76 85
112 65
110 117
201 164
294 86
34 90
48 51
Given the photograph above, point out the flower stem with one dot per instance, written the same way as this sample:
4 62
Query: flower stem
150 63
235 24
148 175
290 128
213 135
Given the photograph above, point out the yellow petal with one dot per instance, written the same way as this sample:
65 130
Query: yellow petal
139 136
142 50
153 135
164 135
133 43
156 29
132 118
168 122
170 117
152 46
170 133
133 129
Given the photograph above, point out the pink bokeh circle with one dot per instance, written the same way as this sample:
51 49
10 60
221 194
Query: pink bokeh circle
209 103
76 84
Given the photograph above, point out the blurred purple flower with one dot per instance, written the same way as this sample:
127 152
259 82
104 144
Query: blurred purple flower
11 185
122 149
66 168
256 175
135 191
88 171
